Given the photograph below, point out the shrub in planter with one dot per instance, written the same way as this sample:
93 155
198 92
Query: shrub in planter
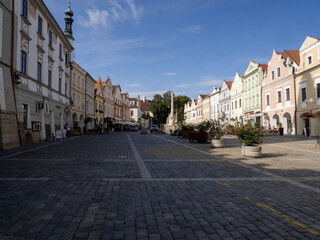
204 126
250 136
216 131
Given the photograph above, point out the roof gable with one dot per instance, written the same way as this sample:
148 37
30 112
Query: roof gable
251 67
309 41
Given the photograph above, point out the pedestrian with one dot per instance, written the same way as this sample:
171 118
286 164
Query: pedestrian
68 130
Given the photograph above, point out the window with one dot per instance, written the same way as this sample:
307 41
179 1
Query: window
25 115
74 79
82 84
78 103
40 25
49 78
50 38
232 106
78 82
318 90
60 50
309 60
235 104
279 96
66 89
39 72
67 59
25 8
60 81
74 97
82 103
131 113
272 75
267 100
287 94
278 72
303 94
257 100
36 126
23 62
239 103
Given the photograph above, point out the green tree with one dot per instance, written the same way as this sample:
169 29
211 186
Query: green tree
159 109
179 103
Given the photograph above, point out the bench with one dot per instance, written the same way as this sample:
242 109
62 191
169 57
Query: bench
185 133
200 137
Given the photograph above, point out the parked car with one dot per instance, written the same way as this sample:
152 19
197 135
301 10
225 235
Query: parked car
133 128
76 131
154 128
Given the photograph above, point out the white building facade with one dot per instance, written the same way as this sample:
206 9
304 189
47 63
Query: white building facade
236 99
42 61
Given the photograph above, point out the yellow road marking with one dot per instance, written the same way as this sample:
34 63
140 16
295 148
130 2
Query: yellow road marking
279 214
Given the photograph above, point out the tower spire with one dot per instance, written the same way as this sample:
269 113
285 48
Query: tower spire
68 22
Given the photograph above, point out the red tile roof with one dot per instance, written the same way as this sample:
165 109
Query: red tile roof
96 85
203 96
229 83
294 55
145 105
264 67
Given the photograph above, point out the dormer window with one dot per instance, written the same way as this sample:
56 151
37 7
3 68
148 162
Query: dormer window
309 60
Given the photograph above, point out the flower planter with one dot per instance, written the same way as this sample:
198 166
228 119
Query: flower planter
251 151
217 143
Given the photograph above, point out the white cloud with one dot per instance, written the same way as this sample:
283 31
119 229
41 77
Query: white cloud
196 29
210 81
169 74
134 85
118 11
135 10
96 18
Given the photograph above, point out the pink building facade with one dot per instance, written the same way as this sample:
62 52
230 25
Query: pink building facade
278 91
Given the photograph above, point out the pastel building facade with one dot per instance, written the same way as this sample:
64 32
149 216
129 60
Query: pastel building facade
190 112
108 99
236 99
307 87
252 81
278 91
214 103
225 100
90 102
199 108
206 108
99 103
78 85
117 101
135 109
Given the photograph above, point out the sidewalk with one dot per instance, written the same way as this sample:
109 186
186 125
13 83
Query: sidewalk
278 152
27 148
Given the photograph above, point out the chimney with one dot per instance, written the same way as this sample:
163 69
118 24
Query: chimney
144 99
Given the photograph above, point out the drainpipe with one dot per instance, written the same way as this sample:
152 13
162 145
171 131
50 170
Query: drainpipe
12 72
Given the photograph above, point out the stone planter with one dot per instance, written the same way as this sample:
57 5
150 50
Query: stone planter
251 151
217 143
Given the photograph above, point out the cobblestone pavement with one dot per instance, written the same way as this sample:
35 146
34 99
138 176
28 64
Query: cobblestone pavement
132 186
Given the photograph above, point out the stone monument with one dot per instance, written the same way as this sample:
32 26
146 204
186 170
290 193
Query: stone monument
172 119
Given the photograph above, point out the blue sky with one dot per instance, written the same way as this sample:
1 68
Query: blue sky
187 46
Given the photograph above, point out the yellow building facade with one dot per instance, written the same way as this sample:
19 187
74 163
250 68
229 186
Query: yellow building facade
308 88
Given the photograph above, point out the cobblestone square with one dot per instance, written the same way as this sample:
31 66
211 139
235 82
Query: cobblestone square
132 186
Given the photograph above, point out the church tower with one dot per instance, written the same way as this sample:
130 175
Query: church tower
68 26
